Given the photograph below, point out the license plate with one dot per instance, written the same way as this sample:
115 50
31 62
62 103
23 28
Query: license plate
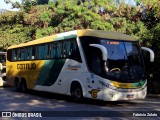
130 96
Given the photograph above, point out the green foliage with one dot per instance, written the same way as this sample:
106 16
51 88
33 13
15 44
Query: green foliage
69 15
45 16
153 37
102 25
11 35
44 32
27 5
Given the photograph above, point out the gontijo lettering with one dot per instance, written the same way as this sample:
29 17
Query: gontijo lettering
26 66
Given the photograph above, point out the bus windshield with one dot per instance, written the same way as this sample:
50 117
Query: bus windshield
124 60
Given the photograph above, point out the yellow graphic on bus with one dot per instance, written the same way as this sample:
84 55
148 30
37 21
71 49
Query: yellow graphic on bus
128 85
94 92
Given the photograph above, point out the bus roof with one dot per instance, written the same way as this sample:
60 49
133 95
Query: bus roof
79 33
105 34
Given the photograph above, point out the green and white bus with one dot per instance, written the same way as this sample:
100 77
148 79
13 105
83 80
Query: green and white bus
81 63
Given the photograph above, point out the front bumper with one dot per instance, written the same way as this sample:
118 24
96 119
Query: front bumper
114 95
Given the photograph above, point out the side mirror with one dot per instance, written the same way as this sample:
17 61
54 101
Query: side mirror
102 48
151 53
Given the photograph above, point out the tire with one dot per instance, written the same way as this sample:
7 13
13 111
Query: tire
76 92
23 86
18 85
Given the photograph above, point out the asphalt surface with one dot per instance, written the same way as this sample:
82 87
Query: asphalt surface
42 105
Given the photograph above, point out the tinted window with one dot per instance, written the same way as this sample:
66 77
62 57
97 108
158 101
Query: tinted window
9 55
53 50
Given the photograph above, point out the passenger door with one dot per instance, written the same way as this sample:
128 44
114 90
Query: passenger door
95 71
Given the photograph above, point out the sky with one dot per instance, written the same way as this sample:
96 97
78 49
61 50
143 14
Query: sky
131 2
3 5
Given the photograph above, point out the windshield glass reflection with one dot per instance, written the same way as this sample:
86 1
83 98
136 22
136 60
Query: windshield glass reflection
124 60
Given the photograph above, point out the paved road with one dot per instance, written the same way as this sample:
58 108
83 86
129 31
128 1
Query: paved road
62 107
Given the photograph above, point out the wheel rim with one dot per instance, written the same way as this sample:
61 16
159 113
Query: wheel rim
18 85
78 93
23 87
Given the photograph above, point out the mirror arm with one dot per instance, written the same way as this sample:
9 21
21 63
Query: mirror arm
102 48
151 53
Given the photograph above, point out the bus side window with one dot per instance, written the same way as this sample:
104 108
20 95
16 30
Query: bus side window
33 52
46 53
74 52
22 54
9 55
68 45
30 53
59 50
49 51
53 50
27 53
64 53
13 55
37 53
18 54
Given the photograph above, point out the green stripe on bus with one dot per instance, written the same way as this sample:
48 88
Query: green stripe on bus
50 72
64 37
139 84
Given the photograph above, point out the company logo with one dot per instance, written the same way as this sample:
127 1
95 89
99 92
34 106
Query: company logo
94 92
73 67
27 66
6 114
21 114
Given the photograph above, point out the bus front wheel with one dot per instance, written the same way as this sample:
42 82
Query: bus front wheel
76 92
17 85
